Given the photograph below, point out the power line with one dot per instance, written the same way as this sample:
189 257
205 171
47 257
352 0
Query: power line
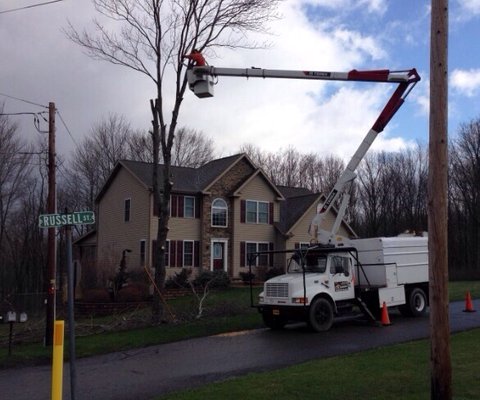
66 127
25 101
30 6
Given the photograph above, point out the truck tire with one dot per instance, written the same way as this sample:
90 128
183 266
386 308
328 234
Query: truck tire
272 321
320 316
416 304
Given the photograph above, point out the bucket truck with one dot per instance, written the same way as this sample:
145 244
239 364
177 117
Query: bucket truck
336 275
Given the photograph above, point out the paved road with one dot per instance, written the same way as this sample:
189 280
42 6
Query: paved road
145 373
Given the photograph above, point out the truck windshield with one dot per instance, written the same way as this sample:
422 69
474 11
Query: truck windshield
316 264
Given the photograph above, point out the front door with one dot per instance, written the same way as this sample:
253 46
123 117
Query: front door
218 256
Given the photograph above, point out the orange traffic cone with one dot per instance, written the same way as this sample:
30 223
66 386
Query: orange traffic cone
468 303
385 318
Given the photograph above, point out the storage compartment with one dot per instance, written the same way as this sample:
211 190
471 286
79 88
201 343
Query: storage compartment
391 296
407 255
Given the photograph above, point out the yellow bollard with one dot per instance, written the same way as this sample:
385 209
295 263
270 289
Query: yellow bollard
57 365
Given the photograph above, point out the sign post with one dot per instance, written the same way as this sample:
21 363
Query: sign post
56 221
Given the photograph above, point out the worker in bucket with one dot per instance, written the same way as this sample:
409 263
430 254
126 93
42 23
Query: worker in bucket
196 57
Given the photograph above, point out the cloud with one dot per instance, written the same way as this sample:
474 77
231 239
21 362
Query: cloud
469 7
40 64
466 82
312 116
372 6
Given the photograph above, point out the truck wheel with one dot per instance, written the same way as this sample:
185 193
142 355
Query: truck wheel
416 304
320 317
273 322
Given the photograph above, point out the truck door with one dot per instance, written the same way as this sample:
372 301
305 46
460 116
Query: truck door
341 276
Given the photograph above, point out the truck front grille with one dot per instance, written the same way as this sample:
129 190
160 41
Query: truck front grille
277 290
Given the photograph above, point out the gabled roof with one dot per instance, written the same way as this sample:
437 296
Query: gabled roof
214 170
84 239
185 179
288 191
294 208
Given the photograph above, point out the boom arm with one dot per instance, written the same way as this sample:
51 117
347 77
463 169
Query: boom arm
201 82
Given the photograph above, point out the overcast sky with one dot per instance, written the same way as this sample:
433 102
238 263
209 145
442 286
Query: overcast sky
39 64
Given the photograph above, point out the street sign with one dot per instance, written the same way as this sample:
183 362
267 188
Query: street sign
58 220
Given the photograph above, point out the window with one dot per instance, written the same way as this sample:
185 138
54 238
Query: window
126 210
183 206
262 213
261 259
219 213
188 253
251 248
339 265
189 207
257 212
252 211
142 252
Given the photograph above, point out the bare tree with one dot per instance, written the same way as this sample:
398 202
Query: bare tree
94 160
191 148
154 36
464 193
15 168
140 147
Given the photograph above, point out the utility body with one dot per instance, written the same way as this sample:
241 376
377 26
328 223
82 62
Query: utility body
336 274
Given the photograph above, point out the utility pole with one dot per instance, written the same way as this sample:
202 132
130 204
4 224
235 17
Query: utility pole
50 281
440 358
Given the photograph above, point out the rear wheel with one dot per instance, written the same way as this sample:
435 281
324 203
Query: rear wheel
272 321
320 317
416 304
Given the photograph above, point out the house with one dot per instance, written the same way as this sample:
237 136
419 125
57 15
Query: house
220 213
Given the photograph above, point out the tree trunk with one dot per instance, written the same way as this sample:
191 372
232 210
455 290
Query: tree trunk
162 204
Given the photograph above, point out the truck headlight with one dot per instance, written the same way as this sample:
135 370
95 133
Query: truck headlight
260 299
300 300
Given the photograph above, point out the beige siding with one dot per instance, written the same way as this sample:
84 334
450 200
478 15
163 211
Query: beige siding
258 190
114 234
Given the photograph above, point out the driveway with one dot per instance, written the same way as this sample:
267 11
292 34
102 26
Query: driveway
156 370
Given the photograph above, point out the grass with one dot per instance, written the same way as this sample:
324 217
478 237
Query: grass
227 310
394 372
458 289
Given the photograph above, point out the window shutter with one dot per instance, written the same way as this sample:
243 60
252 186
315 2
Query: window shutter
270 256
242 254
155 207
154 253
270 213
173 205
179 253
297 245
197 207
173 253
196 262
181 200
243 206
